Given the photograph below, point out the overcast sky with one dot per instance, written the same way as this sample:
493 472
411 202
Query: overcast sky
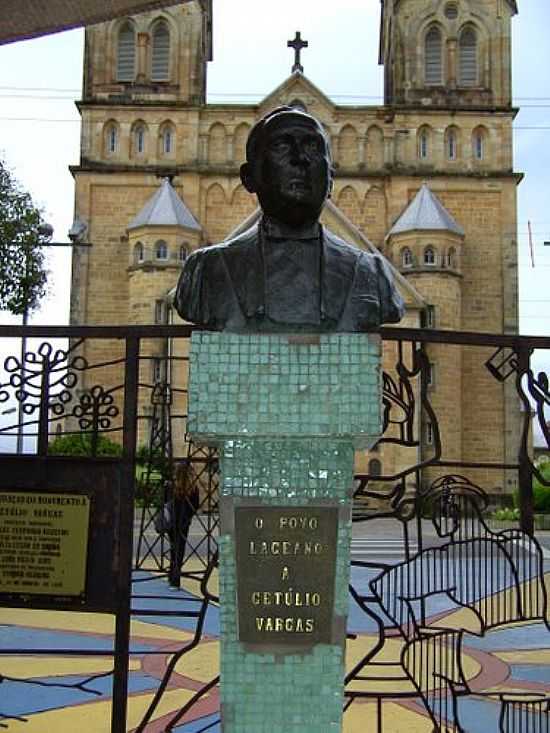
39 124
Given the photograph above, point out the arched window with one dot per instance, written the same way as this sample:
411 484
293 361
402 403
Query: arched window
433 57
167 140
451 258
375 468
478 143
451 144
429 256
138 253
423 144
126 53
467 58
160 54
182 254
161 250
406 257
111 138
298 104
139 139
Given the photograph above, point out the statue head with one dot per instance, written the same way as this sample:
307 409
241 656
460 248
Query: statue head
288 166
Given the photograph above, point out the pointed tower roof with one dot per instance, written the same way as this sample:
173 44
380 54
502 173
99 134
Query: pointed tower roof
165 208
425 212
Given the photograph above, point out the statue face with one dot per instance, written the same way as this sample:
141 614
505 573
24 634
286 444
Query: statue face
293 175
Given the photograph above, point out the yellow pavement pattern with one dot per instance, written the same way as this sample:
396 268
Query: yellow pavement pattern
202 663
33 667
525 656
92 623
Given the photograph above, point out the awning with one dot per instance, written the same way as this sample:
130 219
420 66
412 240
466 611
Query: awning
20 19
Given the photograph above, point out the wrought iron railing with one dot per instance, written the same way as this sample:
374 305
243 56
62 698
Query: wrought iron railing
426 476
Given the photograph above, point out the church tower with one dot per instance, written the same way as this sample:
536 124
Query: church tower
144 86
447 53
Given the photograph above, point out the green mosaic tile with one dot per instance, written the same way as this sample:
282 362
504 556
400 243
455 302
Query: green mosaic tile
292 469
274 385
284 693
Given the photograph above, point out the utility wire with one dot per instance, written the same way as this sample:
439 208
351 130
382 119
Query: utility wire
69 90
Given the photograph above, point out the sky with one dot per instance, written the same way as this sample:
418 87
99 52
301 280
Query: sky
39 124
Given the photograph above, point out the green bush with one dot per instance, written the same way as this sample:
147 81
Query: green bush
541 493
506 515
80 444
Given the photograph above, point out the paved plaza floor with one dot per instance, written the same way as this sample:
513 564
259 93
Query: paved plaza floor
47 693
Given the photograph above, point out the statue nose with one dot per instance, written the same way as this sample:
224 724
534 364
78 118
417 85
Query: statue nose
299 155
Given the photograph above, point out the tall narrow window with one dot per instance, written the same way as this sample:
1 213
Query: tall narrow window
126 54
138 253
112 139
451 144
423 144
166 140
139 139
161 250
160 55
433 57
427 317
406 257
467 54
159 311
429 256
182 253
451 258
479 145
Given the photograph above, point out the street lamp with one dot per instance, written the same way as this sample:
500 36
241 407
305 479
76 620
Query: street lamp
77 234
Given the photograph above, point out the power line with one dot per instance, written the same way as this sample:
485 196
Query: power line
75 90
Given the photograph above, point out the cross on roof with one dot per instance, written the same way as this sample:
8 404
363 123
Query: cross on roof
297 44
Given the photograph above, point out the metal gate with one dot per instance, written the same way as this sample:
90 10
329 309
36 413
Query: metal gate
120 393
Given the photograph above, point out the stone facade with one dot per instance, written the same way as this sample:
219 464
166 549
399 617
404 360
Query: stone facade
447 121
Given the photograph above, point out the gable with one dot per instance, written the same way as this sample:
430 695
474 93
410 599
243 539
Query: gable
298 87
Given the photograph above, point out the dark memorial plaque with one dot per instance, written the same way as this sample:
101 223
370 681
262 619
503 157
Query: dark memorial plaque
43 543
286 569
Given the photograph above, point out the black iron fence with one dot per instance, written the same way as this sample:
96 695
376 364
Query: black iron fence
103 415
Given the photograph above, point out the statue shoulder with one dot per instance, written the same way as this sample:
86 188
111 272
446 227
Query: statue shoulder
206 292
339 245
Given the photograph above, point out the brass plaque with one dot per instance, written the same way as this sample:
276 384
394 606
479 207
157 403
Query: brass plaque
43 543
286 569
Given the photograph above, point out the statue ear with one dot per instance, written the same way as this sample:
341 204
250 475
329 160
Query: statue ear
247 178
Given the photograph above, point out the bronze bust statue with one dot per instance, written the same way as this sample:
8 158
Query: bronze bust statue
287 273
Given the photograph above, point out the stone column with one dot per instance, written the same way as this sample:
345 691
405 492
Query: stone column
142 54
452 71
287 413
389 148
362 143
230 147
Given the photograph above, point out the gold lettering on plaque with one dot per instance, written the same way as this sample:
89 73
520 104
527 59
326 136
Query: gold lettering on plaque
290 624
286 560
43 543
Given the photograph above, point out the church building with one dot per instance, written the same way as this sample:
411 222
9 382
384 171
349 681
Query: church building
426 178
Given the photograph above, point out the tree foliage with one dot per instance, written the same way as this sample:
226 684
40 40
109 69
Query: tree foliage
23 231
80 444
